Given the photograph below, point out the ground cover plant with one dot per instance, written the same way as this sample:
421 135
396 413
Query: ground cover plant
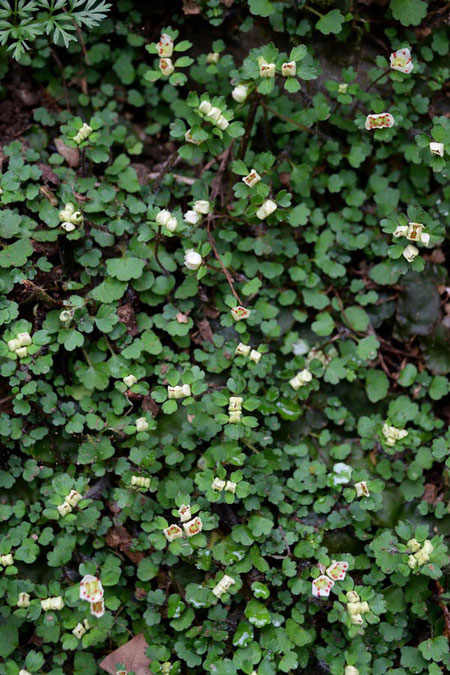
225 314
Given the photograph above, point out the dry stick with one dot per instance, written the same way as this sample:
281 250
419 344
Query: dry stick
167 166
39 292
249 126
444 608
215 187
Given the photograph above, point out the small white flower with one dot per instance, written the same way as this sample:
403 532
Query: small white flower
267 70
163 217
205 107
234 416
289 69
301 379
73 498
252 179
412 562
67 212
77 218
230 486
242 350
379 121
437 149
427 547
351 670
192 259
235 403
193 527
22 352
79 631
140 482
141 424
52 604
202 206
63 509
192 217
342 88
24 672
214 114
83 133
24 339
166 67
223 585
401 231
322 586
13 345
352 596
68 227
24 600
240 93
341 473
173 532
361 489
129 380
414 545
184 512
255 356
357 619
6 560
213 57
268 207
410 252
218 485
238 313
401 60
66 316
165 45
172 224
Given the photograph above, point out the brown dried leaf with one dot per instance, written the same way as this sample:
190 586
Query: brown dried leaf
48 194
127 316
119 538
205 330
71 155
150 405
49 177
182 318
132 655
191 7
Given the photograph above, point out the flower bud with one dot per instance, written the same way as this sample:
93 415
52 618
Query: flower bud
73 498
427 547
410 252
301 379
68 227
401 60
255 356
52 604
437 149
412 562
214 114
401 231
67 212
230 486
79 631
166 67
24 600
193 527
129 380
24 672
218 485
165 45
414 545
268 207
205 107
172 224
242 350
222 123
83 133
202 206
357 619
66 316
351 670
252 179
342 88
63 509
192 259
24 339
22 352
234 416
361 489
213 57
141 424
240 93
163 217
223 585
140 482
192 217
267 70
13 345
235 403
289 69
6 560
184 512
352 596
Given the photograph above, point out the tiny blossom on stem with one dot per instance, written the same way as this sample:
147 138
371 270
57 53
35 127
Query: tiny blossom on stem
379 121
240 93
401 60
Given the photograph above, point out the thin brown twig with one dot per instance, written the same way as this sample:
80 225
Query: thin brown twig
288 548
249 126
173 158
39 292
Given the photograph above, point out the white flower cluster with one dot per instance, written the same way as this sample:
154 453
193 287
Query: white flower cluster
421 554
52 604
214 115
83 133
70 502
140 482
81 628
413 232
301 379
392 434
165 219
288 69
356 609
20 344
179 391
235 409
223 585
91 589
194 216
165 51
246 350
218 485
24 600
322 586
70 218
6 560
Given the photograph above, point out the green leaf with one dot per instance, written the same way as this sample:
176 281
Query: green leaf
261 7
16 255
409 12
125 269
331 22
377 385
324 324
